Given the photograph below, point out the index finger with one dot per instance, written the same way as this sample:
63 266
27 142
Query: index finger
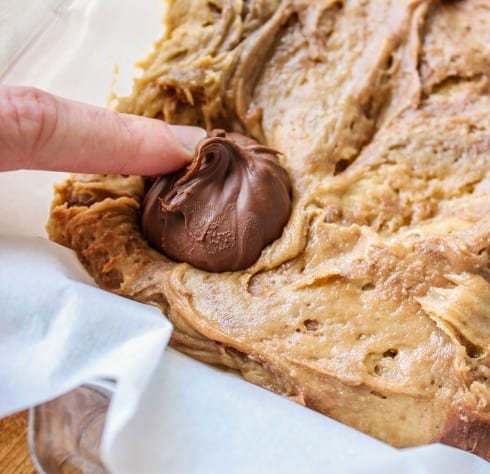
45 132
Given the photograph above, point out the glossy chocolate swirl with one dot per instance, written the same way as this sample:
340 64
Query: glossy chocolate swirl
222 210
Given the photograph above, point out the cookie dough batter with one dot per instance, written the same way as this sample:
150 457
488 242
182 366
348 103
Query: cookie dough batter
373 306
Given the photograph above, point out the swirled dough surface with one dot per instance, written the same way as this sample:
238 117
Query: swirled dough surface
374 305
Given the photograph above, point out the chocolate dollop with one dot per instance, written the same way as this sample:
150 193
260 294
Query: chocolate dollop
220 212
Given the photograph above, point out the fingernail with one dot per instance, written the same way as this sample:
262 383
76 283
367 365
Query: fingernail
188 136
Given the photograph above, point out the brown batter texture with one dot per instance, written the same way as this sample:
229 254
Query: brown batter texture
374 305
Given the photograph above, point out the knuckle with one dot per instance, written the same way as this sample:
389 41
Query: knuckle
29 115
130 128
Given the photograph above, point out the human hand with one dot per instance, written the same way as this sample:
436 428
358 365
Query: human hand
41 131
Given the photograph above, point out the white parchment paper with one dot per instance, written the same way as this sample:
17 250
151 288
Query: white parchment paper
57 331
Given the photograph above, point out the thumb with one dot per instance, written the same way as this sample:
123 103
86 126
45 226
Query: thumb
45 132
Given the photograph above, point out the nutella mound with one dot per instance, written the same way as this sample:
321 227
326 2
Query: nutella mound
221 211
373 304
